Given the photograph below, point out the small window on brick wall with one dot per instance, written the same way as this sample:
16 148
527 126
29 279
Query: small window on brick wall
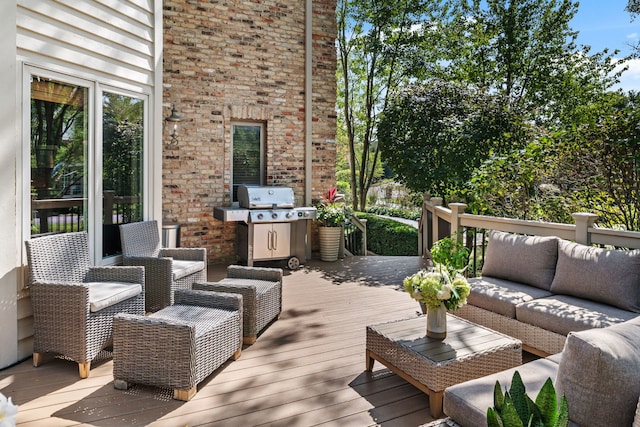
247 143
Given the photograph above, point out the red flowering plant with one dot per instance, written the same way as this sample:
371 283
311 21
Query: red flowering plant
331 211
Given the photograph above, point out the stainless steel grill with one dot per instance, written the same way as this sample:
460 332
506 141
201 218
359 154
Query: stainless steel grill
271 227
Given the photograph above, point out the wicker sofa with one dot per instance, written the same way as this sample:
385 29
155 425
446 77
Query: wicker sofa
597 372
539 289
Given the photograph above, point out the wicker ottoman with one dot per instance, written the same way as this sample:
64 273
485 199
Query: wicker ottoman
261 290
180 345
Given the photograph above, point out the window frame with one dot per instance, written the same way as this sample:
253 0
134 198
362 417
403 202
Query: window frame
263 128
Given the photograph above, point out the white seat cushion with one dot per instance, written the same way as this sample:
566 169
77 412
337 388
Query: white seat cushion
106 294
183 268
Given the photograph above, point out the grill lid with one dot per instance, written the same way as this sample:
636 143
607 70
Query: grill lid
257 197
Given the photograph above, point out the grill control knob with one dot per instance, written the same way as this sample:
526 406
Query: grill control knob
260 216
289 214
274 215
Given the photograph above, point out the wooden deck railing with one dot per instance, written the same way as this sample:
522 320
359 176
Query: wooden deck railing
67 214
355 236
437 222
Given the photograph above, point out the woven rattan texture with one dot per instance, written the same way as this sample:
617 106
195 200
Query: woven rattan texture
261 289
541 339
141 246
63 324
180 345
438 376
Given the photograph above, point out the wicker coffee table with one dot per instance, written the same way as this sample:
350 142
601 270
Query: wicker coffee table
469 351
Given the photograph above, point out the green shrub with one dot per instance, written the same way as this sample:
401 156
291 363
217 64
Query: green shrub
394 212
388 237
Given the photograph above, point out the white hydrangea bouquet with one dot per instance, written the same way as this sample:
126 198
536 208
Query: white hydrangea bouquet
8 412
435 286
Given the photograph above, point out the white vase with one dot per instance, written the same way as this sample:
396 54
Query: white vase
329 243
437 322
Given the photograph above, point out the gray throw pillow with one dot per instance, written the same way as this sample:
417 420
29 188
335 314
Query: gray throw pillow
598 374
525 259
608 276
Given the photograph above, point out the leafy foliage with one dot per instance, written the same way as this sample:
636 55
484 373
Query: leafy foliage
331 211
593 166
451 253
514 408
526 51
520 184
394 212
434 136
598 163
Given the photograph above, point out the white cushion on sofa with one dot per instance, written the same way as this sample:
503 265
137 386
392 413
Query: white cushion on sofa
525 259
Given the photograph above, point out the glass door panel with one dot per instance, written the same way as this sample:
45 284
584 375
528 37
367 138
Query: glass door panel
122 166
58 137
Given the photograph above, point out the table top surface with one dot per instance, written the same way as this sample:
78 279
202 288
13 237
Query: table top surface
464 338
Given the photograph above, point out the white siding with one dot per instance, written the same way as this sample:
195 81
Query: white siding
113 42
10 248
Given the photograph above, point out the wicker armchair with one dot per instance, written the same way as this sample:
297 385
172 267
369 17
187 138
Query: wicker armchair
166 269
74 303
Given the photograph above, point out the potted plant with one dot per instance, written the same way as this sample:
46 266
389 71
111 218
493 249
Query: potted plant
331 215
437 291
441 287
451 253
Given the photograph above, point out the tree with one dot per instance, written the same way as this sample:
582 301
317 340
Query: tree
520 184
434 136
599 163
594 167
381 44
526 50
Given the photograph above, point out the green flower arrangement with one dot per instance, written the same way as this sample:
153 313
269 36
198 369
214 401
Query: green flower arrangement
331 212
434 287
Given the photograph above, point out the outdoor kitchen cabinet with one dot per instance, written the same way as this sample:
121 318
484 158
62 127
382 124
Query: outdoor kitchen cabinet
272 240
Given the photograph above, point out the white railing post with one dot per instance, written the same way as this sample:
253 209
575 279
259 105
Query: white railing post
457 209
584 221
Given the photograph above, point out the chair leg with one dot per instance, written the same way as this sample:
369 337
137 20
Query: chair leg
84 369
184 395
249 340
237 354
120 384
37 359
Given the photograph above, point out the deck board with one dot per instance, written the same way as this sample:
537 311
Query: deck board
307 368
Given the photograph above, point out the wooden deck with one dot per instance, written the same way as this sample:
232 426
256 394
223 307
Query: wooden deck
307 368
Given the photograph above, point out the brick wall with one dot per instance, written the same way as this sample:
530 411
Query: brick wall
229 61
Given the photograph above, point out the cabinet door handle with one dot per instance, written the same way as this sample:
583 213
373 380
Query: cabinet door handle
275 240
269 240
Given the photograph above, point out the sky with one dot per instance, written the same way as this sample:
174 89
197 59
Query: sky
605 24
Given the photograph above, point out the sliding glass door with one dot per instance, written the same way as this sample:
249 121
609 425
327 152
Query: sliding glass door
86 159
